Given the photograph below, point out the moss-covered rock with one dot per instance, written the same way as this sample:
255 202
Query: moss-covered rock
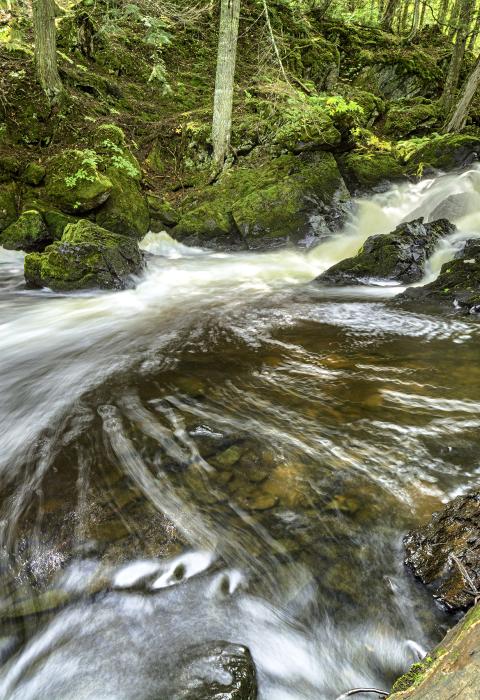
28 233
399 256
412 117
57 221
285 200
365 171
126 210
87 256
34 173
9 167
8 205
444 152
162 214
307 128
457 285
75 183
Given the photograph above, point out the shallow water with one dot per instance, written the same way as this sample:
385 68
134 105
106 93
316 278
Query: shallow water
229 452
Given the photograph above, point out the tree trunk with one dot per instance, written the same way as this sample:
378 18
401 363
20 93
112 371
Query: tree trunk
453 76
459 117
442 14
389 14
46 47
422 15
416 21
453 19
224 82
474 33
404 17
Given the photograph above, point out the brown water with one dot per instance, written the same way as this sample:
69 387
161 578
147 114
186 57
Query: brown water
228 452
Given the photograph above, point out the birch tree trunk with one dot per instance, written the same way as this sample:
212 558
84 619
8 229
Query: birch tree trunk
416 21
224 82
46 47
459 117
442 13
464 18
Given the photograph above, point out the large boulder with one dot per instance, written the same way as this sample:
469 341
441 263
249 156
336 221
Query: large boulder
364 172
291 199
28 233
8 206
445 152
399 256
86 256
215 671
457 285
445 553
75 183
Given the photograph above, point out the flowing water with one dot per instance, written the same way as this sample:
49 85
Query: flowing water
229 452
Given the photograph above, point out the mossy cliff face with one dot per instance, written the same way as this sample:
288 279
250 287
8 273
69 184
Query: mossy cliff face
289 199
457 286
399 256
86 256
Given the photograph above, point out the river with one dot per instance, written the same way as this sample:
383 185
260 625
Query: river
229 451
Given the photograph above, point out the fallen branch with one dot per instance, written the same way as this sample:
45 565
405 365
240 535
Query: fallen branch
356 691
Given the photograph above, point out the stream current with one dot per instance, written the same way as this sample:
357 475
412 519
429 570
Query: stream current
228 452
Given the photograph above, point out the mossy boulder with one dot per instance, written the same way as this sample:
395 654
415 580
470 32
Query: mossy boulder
457 285
412 117
9 167
75 183
288 199
28 233
57 221
87 256
8 205
399 256
162 214
126 210
445 152
370 170
34 173
307 128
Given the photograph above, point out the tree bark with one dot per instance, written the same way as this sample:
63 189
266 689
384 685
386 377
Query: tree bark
459 117
46 47
224 82
464 18
474 33
442 14
416 21
389 14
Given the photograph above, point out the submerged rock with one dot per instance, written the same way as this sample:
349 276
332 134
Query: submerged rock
452 670
86 256
399 256
445 553
215 671
28 233
458 283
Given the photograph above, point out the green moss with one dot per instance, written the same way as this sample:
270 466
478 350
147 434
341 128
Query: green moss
443 152
110 132
414 675
57 221
34 173
74 181
125 211
28 233
162 214
366 170
406 119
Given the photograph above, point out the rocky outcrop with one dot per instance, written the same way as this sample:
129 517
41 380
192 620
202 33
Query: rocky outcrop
445 553
86 256
291 199
399 256
458 284
215 671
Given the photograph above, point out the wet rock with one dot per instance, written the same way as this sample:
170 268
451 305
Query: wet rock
45 602
399 256
445 553
455 206
28 233
126 210
162 214
215 671
75 183
86 256
452 670
457 285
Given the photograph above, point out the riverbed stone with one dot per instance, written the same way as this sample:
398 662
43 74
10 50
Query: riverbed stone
86 256
399 256
215 671
445 553
457 285
29 233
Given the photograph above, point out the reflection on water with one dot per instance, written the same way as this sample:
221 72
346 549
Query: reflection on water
228 452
